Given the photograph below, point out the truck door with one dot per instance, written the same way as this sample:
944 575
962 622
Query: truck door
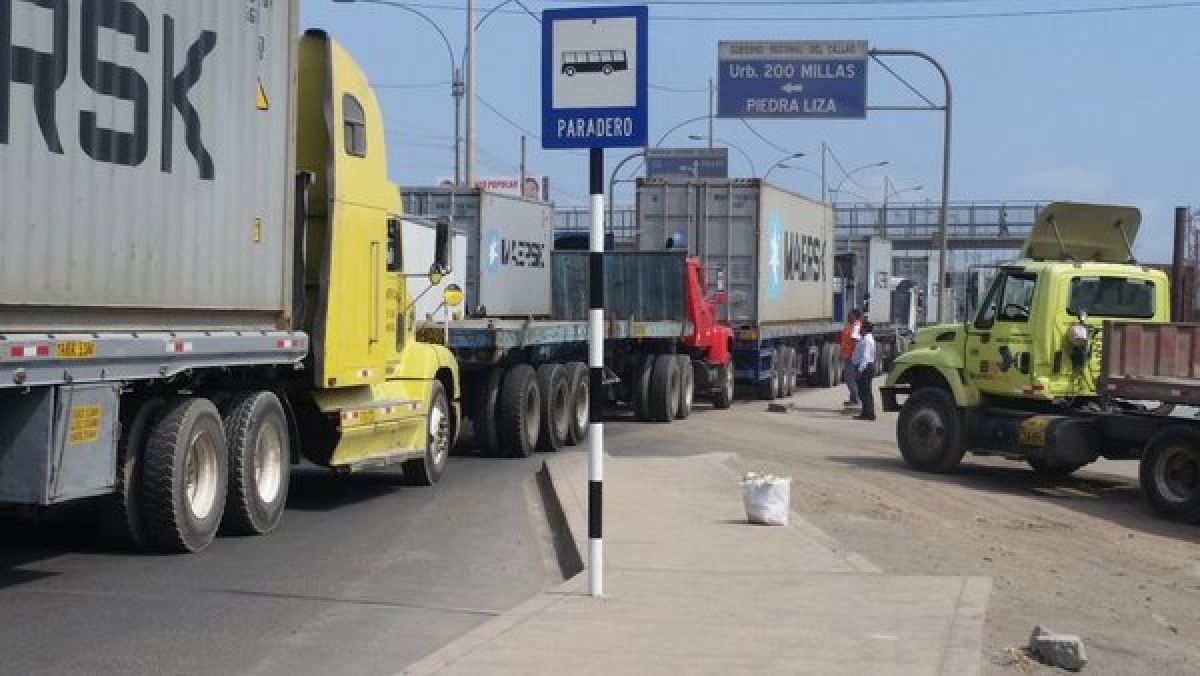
1000 340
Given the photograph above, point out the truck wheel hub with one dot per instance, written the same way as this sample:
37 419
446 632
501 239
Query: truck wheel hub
1178 475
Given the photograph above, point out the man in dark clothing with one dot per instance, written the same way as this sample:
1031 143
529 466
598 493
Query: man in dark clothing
864 366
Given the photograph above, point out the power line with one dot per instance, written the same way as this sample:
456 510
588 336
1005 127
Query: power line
1010 14
784 4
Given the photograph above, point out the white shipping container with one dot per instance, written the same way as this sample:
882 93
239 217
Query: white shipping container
417 251
150 185
775 247
509 240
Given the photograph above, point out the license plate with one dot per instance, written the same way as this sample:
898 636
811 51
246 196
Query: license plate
75 349
1033 432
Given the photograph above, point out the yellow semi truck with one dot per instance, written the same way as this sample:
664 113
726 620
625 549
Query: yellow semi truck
200 270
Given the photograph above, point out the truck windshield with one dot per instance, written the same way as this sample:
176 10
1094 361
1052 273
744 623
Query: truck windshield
1112 297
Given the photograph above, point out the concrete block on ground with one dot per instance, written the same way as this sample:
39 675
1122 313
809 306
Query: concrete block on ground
1058 650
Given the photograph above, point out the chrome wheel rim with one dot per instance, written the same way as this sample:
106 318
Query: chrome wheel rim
200 474
268 462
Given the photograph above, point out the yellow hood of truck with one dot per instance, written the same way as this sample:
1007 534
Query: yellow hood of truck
1083 232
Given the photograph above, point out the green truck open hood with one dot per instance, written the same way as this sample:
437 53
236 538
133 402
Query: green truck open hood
1083 232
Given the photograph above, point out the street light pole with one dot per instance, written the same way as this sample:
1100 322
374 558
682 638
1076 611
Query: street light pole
781 163
854 171
681 124
456 84
948 114
470 92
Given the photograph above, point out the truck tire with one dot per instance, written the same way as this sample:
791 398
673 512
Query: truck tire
930 431
579 389
723 393
1049 470
1170 474
768 389
483 418
664 389
184 476
121 517
427 470
828 365
641 387
519 411
256 434
789 372
814 365
687 387
552 384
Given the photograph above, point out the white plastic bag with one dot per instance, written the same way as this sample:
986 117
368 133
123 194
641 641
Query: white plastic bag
768 499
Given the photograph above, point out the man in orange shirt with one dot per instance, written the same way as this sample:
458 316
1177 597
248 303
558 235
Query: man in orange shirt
850 335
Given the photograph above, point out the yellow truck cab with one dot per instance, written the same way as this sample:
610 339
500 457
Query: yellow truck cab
1019 378
377 395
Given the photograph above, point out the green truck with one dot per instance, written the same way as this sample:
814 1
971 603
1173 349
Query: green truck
1070 357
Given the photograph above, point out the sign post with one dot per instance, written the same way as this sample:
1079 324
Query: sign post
594 92
824 79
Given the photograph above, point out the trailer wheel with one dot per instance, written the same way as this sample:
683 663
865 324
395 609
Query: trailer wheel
814 365
781 368
556 410
184 476
687 387
1044 468
122 516
519 411
256 434
827 370
579 402
641 387
427 470
929 431
723 394
1170 474
769 389
483 417
789 372
665 382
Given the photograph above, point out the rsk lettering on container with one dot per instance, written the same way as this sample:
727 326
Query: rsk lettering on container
46 73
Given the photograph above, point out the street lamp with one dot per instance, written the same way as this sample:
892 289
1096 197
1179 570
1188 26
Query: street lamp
782 164
457 87
890 190
681 124
753 170
854 171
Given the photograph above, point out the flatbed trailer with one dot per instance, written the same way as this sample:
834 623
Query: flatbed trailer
525 380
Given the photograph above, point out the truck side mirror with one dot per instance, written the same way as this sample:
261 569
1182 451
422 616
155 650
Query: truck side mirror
720 281
452 296
443 248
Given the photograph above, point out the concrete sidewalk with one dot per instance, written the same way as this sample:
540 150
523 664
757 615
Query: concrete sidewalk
691 588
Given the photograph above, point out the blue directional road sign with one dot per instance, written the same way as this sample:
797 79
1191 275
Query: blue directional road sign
594 88
687 162
792 79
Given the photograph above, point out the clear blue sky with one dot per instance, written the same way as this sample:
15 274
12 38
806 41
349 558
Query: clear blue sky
1078 105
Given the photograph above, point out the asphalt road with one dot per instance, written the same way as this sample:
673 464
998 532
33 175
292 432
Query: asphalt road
364 576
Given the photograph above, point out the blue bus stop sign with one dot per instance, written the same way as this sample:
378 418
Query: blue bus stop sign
792 79
594 79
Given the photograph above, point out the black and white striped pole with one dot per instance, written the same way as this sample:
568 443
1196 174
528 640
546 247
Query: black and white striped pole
596 372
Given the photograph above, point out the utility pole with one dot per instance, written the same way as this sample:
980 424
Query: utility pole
470 88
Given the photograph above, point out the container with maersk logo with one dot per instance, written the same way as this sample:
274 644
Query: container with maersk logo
509 239
775 247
